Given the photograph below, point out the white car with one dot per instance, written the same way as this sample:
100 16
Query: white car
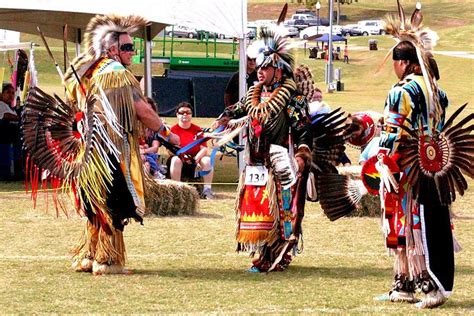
312 31
372 27
286 31
181 31
336 29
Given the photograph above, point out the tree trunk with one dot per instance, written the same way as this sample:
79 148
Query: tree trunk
329 5
338 11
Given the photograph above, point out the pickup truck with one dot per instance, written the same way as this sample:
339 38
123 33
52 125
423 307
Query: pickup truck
302 21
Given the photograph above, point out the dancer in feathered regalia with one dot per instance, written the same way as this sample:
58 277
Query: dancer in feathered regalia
280 135
420 165
271 196
89 144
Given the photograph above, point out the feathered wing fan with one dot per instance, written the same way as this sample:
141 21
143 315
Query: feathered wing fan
444 156
338 194
329 136
67 146
304 81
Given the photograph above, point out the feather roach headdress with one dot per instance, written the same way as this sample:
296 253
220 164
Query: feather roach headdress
423 40
272 50
98 32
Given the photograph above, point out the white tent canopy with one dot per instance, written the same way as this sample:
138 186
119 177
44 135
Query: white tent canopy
222 16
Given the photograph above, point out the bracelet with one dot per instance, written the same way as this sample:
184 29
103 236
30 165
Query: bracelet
164 132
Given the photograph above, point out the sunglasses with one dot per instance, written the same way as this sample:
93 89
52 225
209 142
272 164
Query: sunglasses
184 112
251 59
128 47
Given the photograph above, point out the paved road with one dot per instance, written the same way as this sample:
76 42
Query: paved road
460 54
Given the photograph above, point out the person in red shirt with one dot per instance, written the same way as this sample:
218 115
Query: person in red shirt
346 54
195 158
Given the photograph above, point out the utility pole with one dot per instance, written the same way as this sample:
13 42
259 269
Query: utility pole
329 66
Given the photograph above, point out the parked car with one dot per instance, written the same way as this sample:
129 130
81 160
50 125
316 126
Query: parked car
351 30
336 29
287 31
211 35
267 23
372 27
299 24
305 11
181 31
312 31
251 32
302 21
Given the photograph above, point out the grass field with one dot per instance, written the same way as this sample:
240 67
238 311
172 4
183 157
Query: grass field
188 264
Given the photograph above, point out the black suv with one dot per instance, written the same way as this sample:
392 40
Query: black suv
351 30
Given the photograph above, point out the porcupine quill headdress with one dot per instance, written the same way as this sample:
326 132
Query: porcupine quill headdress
98 31
441 155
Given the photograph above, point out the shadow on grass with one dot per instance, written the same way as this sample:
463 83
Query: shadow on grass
464 270
467 304
291 272
195 215
206 215
294 271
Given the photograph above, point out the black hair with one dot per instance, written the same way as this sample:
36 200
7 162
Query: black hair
6 86
184 104
406 51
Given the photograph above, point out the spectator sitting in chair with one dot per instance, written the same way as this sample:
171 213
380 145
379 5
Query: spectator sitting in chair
151 143
9 128
196 158
7 114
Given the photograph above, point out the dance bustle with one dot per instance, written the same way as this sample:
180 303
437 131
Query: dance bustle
444 156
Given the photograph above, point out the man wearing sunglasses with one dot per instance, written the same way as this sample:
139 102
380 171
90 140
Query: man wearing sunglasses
124 50
118 196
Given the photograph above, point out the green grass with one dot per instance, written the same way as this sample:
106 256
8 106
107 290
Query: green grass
188 265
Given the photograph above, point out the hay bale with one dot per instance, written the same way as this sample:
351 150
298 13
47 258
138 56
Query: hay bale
170 198
369 205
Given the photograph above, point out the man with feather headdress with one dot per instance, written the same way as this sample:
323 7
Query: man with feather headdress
271 196
429 154
102 71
